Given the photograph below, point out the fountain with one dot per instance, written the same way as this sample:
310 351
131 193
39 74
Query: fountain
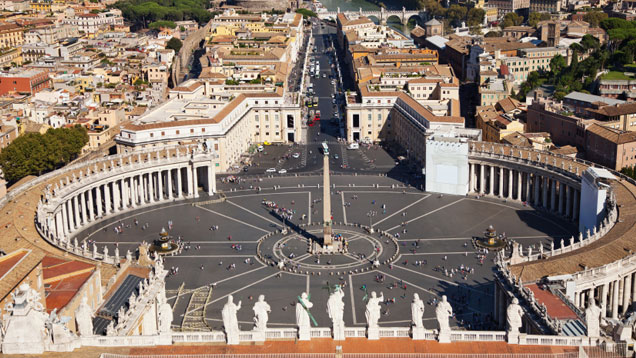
491 240
163 245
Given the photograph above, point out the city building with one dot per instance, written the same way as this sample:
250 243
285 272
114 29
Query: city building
24 81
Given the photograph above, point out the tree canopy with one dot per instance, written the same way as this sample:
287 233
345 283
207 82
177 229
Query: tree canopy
143 12
594 17
536 17
306 13
174 44
36 154
511 19
156 25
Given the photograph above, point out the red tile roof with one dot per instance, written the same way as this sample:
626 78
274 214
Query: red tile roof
555 306
8 262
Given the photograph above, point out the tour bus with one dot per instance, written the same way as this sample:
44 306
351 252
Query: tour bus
325 148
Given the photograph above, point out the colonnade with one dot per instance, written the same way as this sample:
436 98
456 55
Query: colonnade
614 296
534 187
127 191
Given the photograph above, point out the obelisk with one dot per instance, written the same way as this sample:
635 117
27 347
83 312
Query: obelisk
326 207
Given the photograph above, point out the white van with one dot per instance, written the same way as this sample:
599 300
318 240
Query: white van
353 146
260 148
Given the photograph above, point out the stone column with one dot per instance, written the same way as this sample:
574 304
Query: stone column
510 180
64 220
519 185
133 192
195 179
615 300
152 189
98 196
544 187
70 216
76 211
107 199
471 172
189 182
491 190
169 183
179 192
212 180
577 195
91 207
160 185
627 290
59 225
577 299
501 186
482 185
537 192
553 195
604 300
528 186
125 194
142 189
568 201
561 198
116 196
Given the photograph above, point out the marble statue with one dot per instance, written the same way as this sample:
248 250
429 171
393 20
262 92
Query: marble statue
372 312
128 256
443 312
335 310
417 311
230 322
302 317
84 318
261 314
513 317
110 329
592 319
25 324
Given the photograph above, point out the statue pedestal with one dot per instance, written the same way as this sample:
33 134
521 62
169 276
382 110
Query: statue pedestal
373 333
513 337
258 336
339 332
232 338
444 337
419 333
304 333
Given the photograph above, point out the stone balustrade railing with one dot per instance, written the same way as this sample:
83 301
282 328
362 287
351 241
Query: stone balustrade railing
526 297
569 245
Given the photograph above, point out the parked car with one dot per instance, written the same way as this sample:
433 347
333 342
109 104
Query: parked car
353 146
282 171
296 155
271 170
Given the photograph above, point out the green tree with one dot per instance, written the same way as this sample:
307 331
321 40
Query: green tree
494 34
156 25
36 154
594 17
511 19
536 17
557 64
456 13
475 16
434 8
589 42
306 13
174 44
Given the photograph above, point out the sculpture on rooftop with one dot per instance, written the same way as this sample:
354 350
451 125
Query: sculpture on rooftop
230 322
261 314
593 318
335 310
84 318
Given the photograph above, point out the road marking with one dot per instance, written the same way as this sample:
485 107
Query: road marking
470 238
268 194
429 213
344 208
353 303
307 285
431 292
231 218
190 242
253 213
438 253
402 209
439 279
241 274
233 292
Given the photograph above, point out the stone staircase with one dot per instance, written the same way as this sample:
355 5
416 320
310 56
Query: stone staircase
194 319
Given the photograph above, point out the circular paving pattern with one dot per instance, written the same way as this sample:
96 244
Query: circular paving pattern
290 252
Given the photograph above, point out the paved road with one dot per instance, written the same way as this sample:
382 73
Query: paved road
437 228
